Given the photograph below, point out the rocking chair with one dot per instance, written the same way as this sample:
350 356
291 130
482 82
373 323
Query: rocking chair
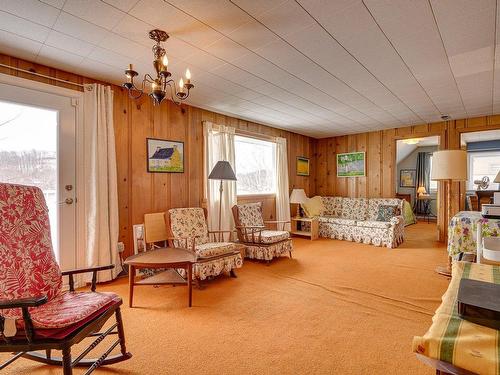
35 315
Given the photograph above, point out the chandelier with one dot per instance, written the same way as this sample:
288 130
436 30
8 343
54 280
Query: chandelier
162 83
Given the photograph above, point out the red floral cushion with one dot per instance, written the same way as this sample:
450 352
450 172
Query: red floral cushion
27 264
69 308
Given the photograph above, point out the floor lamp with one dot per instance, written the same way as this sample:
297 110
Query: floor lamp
448 166
222 171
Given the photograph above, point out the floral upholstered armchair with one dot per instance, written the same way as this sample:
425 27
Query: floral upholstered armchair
34 312
188 229
261 243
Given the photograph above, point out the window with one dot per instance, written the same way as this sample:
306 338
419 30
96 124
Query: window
433 185
255 166
485 163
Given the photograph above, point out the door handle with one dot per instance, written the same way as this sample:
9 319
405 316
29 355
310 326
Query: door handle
67 201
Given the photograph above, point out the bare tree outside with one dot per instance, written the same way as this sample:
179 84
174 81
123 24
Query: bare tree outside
255 166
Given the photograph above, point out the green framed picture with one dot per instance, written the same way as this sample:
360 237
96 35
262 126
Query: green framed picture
302 166
351 164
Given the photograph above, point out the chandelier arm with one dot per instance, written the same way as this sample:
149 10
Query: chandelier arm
173 93
150 80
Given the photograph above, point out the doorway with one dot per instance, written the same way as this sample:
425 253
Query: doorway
412 180
38 147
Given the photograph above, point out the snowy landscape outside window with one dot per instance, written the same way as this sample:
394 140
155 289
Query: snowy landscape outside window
255 166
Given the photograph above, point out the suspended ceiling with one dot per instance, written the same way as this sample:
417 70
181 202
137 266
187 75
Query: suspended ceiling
316 67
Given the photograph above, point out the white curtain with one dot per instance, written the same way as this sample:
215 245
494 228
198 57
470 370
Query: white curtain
101 191
282 192
219 146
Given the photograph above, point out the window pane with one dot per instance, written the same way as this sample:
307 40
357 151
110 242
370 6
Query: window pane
255 166
28 153
483 164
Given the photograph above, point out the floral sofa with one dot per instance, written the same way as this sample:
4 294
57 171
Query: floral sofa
188 228
355 219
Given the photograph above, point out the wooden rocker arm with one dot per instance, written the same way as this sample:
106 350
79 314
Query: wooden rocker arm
250 233
94 271
278 222
22 302
186 239
220 232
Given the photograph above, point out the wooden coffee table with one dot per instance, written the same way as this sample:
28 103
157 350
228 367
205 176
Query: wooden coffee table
170 258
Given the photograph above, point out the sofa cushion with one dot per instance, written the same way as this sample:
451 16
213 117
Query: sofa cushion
313 207
354 208
373 224
337 220
333 206
374 203
386 212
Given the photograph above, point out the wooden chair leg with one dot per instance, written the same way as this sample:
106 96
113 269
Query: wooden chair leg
290 253
198 284
67 369
232 273
48 353
121 334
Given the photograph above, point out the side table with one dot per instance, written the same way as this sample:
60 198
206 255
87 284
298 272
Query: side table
313 225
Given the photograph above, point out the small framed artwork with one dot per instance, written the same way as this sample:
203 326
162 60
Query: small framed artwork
302 166
407 178
165 156
351 164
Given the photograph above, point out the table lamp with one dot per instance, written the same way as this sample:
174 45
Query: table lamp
497 178
448 166
222 171
298 196
421 191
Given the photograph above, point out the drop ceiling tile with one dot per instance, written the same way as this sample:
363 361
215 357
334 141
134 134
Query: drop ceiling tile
32 10
111 58
123 5
22 27
69 44
175 22
18 46
55 3
253 35
94 11
58 58
205 61
126 47
80 29
226 49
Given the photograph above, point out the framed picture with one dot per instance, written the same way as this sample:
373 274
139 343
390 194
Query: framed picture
351 164
165 156
407 178
302 166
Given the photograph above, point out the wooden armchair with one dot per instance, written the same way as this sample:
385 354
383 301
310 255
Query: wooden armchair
34 312
187 228
261 243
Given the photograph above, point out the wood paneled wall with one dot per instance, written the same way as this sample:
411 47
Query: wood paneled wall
140 192
380 148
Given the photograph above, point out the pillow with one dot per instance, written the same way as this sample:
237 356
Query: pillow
387 212
313 207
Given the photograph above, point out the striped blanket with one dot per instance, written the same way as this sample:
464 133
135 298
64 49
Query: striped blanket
451 339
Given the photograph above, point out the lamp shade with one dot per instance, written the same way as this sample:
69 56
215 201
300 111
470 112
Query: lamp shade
421 190
222 171
497 178
449 165
298 196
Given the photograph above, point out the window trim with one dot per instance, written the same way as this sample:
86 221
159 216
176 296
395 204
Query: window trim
470 178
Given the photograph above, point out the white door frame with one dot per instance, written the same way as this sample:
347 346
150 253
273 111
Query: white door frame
77 100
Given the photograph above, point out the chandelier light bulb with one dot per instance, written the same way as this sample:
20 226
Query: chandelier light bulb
181 84
165 60
188 75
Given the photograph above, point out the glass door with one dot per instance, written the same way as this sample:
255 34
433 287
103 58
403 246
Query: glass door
37 147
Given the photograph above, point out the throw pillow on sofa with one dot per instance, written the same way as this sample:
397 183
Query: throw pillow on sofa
313 207
387 212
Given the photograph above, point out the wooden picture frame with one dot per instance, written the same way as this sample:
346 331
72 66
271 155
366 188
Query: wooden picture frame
351 164
164 156
407 178
302 166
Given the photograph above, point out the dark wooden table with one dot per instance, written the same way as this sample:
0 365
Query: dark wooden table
170 258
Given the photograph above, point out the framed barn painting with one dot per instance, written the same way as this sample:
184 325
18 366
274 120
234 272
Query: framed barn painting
302 166
407 178
351 164
165 156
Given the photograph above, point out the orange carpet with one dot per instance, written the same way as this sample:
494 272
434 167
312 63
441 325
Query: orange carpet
337 308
